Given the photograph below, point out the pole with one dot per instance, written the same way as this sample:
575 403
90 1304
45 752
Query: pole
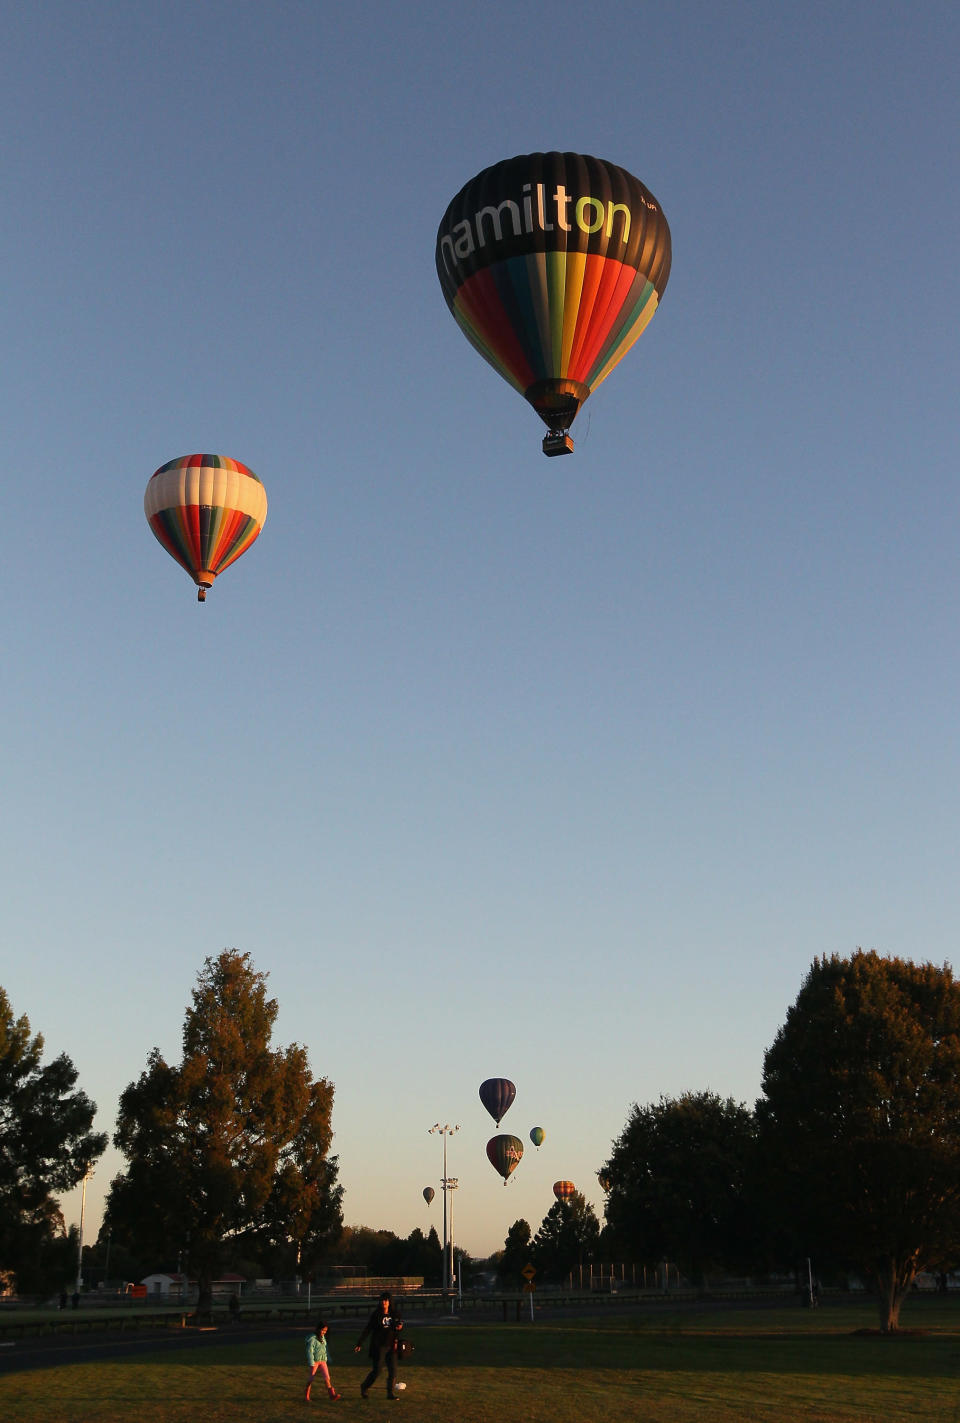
452 1184
83 1201
445 1131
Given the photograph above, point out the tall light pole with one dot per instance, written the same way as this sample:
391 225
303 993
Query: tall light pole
445 1131
452 1184
83 1201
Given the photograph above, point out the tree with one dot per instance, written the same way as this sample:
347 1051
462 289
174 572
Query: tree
515 1253
568 1237
46 1146
860 1118
680 1183
233 1140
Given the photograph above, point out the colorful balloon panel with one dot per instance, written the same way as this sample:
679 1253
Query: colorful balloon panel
504 1154
563 1190
206 510
497 1095
553 264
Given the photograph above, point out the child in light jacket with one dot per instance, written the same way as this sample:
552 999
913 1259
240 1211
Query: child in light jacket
317 1359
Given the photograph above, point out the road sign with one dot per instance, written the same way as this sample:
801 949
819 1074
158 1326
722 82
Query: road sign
529 1288
528 1271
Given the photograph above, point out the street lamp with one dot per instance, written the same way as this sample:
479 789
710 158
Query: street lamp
447 1185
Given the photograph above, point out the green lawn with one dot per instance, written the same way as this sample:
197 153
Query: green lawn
777 1366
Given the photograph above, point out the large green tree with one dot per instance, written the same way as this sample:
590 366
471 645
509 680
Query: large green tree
860 1119
568 1237
680 1178
232 1142
46 1146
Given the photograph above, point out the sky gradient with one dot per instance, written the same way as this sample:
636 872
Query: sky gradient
559 770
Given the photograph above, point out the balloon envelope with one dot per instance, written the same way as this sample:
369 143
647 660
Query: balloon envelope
428 1194
604 1180
206 510
537 1135
504 1154
553 264
563 1190
497 1095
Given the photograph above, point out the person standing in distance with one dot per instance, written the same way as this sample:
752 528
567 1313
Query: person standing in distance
383 1327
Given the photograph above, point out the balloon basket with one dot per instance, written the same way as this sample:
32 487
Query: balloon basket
558 442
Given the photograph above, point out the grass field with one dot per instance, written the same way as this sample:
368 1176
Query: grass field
774 1366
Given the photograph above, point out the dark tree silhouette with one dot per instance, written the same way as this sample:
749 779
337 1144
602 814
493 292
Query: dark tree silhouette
860 1118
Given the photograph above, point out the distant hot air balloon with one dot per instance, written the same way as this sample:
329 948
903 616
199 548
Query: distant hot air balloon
553 264
605 1182
497 1095
206 510
504 1154
563 1190
537 1135
428 1194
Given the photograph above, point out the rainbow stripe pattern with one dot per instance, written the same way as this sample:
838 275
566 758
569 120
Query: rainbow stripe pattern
555 316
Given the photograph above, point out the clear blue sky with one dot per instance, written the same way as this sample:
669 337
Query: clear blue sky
562 770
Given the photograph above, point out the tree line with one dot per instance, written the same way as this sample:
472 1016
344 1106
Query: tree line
851 1155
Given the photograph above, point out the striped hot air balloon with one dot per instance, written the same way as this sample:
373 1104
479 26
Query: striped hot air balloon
206 510
553 265
563 1190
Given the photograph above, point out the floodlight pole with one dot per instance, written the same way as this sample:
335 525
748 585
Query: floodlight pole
445 1131
452 1184
83 1201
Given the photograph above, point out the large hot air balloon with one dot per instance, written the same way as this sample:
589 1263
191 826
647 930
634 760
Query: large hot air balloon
497 1095
504 1154
206 510
428 1194
537 1136
563 1190
553 265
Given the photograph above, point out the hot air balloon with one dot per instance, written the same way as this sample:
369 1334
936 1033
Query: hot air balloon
553 264
504 1154
604 1180
428 1194
563 1190
537 1135
206 510
497 1095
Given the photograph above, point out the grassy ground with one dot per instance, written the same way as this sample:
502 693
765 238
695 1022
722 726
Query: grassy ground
741 1367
